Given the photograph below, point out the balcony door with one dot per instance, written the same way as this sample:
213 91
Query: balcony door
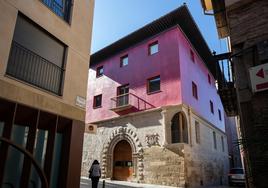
122 95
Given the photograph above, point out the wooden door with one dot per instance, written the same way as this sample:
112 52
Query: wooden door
122 164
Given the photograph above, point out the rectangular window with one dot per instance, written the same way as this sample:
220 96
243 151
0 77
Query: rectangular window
99 71
219 114
209 79
36 57
214 140
194 90
124 61
211 107
60 7
192 55
122 95
153 84
197 132
153 48
222 143
97 101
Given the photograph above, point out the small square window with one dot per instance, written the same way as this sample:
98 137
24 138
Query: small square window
153 48
97 101
153 84
124 61
99 71
209 79
194 90
192 55
219 111
211 107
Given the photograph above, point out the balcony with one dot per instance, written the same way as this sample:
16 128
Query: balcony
61 8
25 65
129 103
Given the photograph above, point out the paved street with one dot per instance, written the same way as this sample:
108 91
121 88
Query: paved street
86 183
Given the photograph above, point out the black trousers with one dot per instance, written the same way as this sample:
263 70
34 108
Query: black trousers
95 182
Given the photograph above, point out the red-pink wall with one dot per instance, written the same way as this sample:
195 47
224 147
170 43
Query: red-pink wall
197 72
141 67
177 71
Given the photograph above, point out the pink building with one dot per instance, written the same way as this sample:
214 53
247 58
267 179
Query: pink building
157 86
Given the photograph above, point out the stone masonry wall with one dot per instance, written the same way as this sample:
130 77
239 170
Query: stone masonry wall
160 162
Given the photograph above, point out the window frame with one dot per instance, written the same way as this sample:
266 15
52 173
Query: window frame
98 74
209 79
151 45
95 101
194 90
211 106
214 140
219 112
148 85
197 132
192 55
222 144
121 60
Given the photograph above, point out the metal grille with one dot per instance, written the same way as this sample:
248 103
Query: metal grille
28 66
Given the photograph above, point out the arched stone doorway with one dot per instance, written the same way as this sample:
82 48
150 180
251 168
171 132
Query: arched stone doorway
118 135
122 161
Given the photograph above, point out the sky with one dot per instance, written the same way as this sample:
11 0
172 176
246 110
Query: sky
114 19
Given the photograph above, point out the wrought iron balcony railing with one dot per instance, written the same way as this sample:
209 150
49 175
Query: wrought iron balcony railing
62 8
127 101
29 67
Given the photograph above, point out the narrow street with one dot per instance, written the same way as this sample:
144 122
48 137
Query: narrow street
86 183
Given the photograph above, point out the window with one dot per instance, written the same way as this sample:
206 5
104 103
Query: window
36 57
214 140
192 55
122 95
211 107
219 111
222 143
60 7
209 79
153 84
197 132
99 71
97 101
153 48
124 61
194 90
179 129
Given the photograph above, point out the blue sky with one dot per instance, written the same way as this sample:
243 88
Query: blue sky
114 19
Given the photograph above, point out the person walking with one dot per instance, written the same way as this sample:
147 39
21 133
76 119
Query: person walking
95 173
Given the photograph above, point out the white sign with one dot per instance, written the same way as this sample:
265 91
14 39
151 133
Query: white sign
91 128
80 101
259 77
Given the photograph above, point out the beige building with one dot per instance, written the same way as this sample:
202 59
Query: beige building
44 58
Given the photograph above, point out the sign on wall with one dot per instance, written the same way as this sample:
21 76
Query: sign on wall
259 77
80 101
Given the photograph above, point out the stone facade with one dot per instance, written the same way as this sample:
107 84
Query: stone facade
248 23
156 160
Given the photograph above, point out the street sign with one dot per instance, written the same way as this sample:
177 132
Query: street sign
259 77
